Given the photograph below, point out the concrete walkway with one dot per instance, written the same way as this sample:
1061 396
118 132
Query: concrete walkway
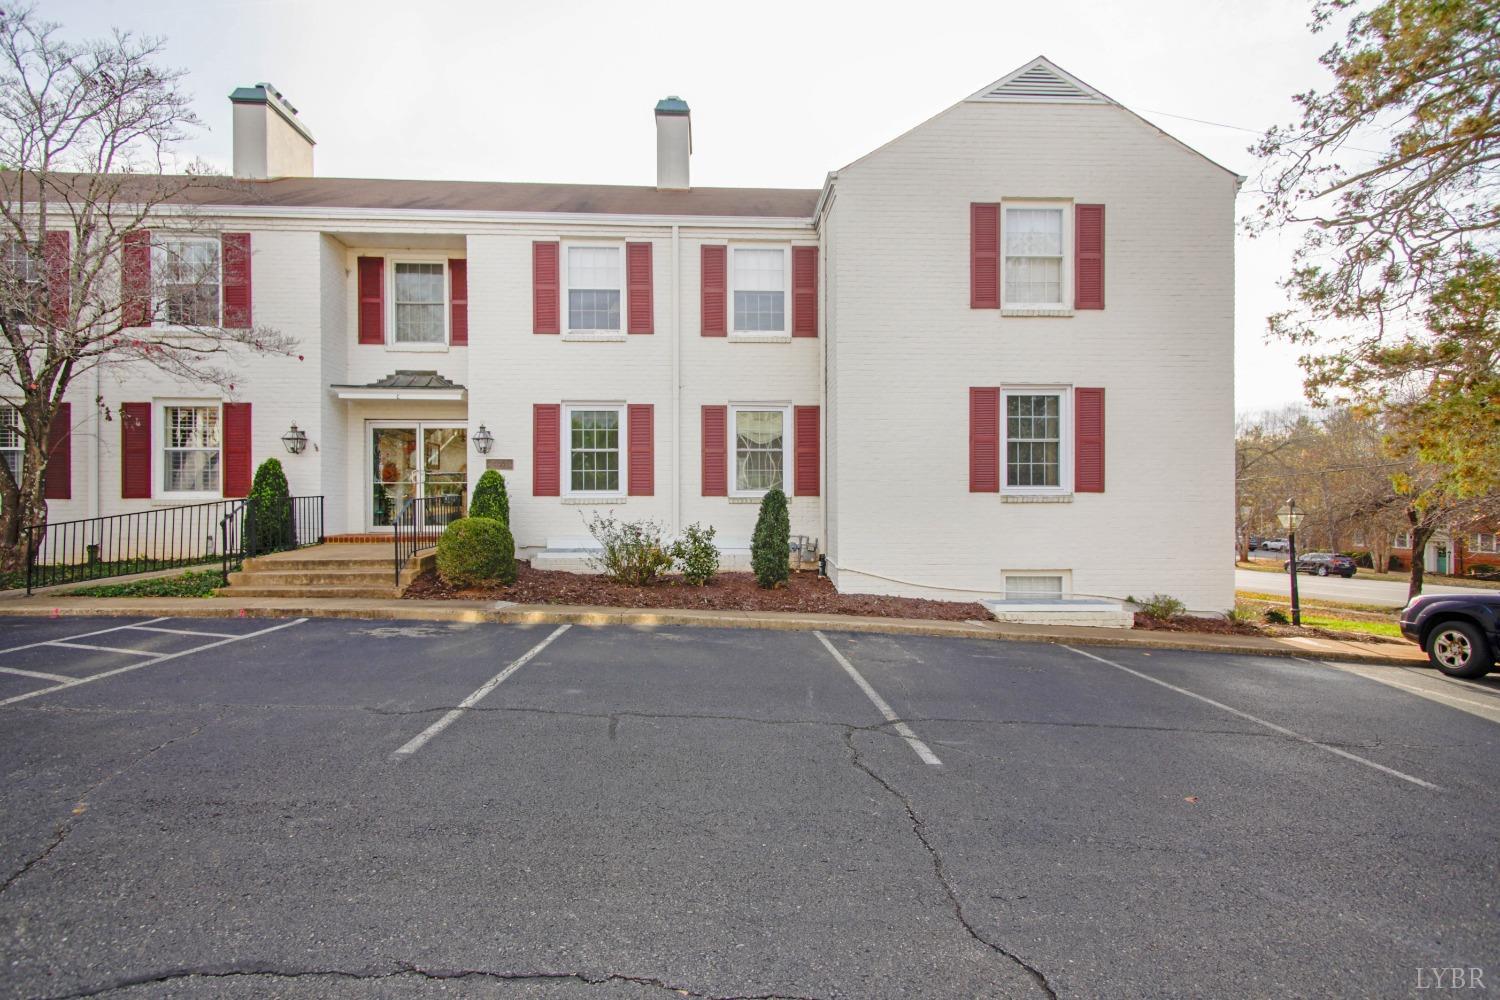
505 612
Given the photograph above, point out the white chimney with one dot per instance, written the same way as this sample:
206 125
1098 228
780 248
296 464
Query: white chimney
674 144
269 141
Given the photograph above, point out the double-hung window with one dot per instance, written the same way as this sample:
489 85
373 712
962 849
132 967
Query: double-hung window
1036 448
1402 540
1034 245
1485 542
190 448
596 283
12 444
758 276
420 298
594 436
25 284
760 449
186 272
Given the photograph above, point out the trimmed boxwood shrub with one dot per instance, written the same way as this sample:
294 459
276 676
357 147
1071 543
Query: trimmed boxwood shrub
771 545
490 499
271 500
475 551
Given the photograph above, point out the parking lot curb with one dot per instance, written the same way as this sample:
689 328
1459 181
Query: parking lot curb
459 612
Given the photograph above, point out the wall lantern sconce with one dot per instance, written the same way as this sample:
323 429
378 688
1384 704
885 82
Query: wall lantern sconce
483 440
295 440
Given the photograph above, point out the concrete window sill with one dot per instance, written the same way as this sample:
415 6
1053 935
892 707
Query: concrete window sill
1050 313
1036 498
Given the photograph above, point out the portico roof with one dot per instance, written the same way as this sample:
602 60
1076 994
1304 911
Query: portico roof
404 384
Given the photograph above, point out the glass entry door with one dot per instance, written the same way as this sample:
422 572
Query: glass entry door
410 460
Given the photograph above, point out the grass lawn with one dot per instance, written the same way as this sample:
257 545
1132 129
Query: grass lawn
47 576
1320 604
199 584
1387 628
1369 574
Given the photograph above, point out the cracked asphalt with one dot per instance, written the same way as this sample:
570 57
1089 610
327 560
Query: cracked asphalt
640 813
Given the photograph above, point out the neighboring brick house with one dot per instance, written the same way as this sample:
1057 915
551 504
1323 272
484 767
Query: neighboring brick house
1455 552
994 355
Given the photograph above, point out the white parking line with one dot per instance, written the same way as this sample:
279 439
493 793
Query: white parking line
102 649
178 631
162 658
1486 707
34 673
416 743
1336 751
86 635
921 749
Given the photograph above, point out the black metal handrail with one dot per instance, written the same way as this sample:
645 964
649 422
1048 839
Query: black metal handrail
420 523
222 531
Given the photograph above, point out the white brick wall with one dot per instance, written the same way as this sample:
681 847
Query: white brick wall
908 347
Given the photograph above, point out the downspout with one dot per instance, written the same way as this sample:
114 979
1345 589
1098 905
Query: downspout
96 494
676 386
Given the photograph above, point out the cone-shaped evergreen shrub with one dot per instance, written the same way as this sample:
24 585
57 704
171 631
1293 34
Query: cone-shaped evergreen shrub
475 551
771 545
271 500
490 498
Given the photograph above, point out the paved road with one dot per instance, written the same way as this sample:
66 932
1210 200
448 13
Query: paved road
1354 590
641 813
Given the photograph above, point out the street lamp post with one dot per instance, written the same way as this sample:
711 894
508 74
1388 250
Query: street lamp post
1290 517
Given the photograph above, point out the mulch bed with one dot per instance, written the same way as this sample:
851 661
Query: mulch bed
1221 626
805 592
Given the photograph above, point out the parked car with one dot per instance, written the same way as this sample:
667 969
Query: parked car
1460 632
1274 544
1324 564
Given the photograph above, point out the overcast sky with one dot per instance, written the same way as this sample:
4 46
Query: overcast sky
781 92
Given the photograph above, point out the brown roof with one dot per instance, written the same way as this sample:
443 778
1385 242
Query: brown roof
493 196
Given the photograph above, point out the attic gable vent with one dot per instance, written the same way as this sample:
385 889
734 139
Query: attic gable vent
1040 81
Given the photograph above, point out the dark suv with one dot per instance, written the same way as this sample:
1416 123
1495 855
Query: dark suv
1324 563
1460 632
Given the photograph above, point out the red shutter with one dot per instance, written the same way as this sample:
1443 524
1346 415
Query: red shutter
638 288
57 483
984 440
546 315
715 451
56 247
1088 257
806 442
641 418
237 460
804 291
984 256
1088 440
714 279
458 303
372 300
135 451
236 280
546 433
135 281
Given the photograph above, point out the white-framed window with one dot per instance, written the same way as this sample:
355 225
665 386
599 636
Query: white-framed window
186 273
1484 542
1036 440
759 290
1024 585
1035 243
594 279
1402 540
762 448
190 443
595 436
12 443
24 283
419 303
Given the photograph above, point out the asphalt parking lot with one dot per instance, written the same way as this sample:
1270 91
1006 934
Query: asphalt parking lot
249 808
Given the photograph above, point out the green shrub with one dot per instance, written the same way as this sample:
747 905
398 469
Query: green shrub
1275 616
1240 614
631 552
476 550
696 554
1162 607
771 545
490 499
272 505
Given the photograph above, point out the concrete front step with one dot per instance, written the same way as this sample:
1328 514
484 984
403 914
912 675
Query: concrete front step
383 577
267 564
290 593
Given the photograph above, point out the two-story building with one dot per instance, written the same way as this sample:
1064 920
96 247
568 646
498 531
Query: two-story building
992 356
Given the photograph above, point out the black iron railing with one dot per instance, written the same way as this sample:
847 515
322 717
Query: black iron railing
218 531
420 523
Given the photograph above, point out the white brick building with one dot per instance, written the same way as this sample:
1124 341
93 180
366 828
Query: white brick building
995 352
